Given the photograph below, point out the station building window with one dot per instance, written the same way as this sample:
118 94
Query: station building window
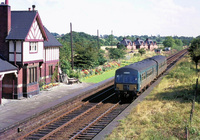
33 47
32 74
50 70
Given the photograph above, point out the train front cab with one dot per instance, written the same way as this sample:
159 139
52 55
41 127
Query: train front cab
126 83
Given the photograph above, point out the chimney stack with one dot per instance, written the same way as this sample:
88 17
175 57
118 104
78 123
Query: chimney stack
6 2
33 6
5 27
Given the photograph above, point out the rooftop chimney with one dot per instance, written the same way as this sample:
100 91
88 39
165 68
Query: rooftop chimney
33 6
5 27
6 2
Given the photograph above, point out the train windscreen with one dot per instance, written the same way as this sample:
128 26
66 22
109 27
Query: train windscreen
126 79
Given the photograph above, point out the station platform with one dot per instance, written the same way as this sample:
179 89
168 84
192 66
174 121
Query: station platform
14 111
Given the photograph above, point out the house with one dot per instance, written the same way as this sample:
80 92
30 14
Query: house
127 43
151 45
139 44
28 50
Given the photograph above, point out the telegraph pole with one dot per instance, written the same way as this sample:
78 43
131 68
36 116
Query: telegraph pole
98 39
72 58
111 37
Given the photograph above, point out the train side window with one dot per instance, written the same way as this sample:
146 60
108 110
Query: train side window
149 72
143 76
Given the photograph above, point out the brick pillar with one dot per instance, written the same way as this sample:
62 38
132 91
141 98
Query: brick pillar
5 27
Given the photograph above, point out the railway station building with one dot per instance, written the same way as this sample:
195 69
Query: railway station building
29 53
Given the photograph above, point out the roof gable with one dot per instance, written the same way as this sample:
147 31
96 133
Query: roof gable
21 23
52 41
35 32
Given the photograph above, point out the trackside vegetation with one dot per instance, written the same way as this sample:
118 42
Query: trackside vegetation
165 113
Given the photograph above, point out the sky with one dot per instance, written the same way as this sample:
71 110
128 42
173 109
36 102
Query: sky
122 17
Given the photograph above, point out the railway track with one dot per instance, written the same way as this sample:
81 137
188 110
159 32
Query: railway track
174 58
68 117
88 119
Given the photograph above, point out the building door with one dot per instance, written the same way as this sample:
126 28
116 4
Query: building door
8 85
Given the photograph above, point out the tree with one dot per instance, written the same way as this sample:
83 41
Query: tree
178 42
142 51
194 51
101 58
87 55
121 46
65 56
115 53
169 42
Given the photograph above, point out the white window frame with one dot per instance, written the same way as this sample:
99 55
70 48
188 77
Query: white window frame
33 47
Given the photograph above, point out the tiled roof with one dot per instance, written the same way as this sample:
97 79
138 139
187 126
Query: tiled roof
21 22
149 42
126 42
138 42
52 41
6 66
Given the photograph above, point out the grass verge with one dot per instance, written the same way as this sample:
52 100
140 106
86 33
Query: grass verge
165 113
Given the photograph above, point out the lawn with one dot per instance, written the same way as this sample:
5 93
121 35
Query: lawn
111 73
99 78
165 113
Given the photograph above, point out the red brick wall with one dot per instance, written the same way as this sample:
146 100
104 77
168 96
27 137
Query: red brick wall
30 88
45 70
5 26
19 84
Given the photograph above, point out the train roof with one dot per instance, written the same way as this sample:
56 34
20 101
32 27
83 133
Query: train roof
158 58
144 64
141 65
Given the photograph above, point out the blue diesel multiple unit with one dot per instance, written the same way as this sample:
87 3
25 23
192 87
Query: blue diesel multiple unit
131 79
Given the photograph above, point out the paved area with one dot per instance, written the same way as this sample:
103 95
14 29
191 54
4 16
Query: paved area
13 111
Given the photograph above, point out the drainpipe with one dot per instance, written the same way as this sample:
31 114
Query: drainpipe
15 57
15 63
45 66
0 88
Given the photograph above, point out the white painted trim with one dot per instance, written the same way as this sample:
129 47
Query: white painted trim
10 86
8 72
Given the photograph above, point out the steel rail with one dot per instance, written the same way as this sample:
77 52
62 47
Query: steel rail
61 116
62 126
96 120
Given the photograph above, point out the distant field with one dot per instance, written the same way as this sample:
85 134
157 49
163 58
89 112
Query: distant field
165 113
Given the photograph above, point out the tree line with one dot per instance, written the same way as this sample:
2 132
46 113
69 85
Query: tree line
87 53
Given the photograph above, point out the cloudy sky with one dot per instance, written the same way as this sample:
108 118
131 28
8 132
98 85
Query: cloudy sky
124 17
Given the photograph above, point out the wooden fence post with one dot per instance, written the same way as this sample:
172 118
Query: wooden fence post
186 133
196 89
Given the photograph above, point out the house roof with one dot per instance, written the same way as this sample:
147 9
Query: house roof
52 41
6 66
126 42
148 41
21 22
138 42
